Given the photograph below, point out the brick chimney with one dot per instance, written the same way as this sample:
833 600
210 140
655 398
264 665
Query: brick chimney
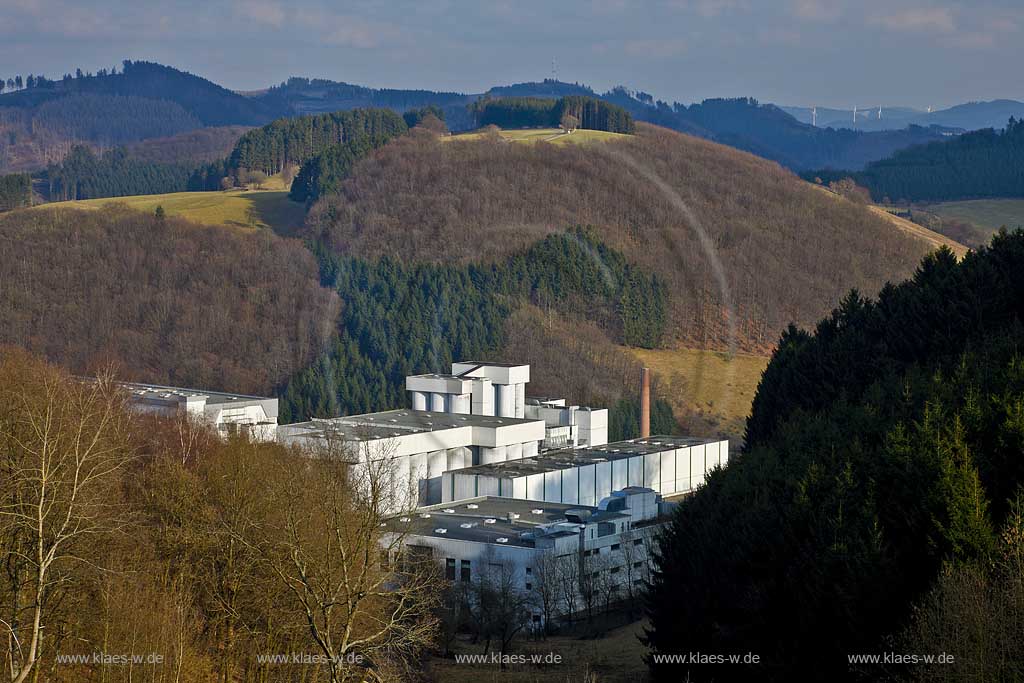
645 403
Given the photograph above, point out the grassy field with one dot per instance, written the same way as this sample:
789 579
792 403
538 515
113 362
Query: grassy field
269 208
552 135
707 389
989 214
617 657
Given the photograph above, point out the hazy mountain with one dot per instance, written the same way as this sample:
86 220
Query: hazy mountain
967 116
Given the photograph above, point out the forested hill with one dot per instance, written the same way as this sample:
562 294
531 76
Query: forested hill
40 124
208 102
299 96
165 300
985 163
883 470
571 111
786 251
293 141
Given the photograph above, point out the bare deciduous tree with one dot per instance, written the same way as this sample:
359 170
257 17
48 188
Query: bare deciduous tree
62 449
324 540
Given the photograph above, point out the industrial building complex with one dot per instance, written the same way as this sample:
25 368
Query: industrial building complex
254 416
668 465
487 476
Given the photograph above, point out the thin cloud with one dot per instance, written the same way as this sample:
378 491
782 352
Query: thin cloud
816 10
917 20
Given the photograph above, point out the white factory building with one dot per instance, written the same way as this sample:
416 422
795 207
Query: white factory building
499 389
255 416
537 540
477 415
668 465
421 445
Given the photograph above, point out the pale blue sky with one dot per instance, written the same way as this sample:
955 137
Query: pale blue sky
825 52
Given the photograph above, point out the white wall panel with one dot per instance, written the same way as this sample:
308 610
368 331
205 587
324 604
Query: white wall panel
668 473
652 470
514 451
571 486
696 465
587 479
636 471
603 472
487 485
553 486
535 487
620 474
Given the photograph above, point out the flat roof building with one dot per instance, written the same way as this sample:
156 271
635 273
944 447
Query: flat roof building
228 413
667 464
422 445
579 547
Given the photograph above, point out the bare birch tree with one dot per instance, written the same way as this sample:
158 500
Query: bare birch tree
62 448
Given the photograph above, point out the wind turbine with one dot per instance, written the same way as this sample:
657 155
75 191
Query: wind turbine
855 116
814 116
879 113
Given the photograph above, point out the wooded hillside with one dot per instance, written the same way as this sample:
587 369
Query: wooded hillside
784 251
165 300
883 470
983 164
194 146
294 141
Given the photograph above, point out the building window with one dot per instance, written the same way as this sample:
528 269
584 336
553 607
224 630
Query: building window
536 618
587 553
529 571
616 546
615 570
529 586
464 572
637 565
449 568
638 541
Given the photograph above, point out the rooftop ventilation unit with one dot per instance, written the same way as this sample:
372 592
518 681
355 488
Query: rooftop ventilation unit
404 519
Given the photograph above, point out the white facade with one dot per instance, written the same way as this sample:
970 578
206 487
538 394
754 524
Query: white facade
500 390
604 546
667 465
472 388
254 416
420 446
569 426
